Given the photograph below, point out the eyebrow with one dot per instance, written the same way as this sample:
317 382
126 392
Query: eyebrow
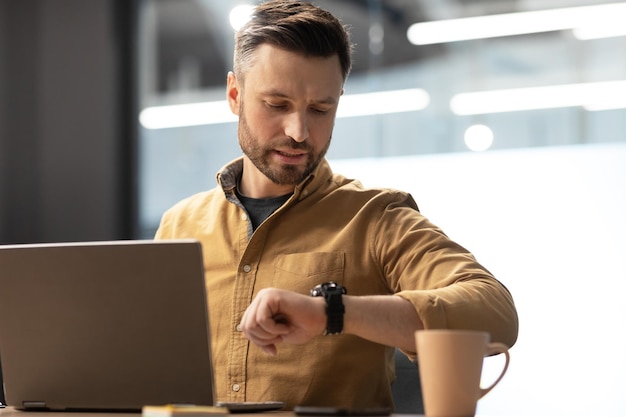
277 93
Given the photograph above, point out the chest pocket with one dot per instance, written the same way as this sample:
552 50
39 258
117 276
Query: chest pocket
302 271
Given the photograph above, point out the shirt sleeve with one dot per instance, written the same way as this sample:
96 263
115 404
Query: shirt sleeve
445 283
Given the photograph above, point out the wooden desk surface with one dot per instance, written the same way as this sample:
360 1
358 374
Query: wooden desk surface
11 412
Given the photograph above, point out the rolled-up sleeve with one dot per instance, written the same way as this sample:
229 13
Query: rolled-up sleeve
445 283
477 304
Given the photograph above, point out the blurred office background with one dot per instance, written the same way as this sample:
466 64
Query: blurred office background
510 132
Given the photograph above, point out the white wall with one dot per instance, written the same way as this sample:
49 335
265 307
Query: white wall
550 224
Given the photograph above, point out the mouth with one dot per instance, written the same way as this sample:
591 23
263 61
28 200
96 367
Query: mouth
292 156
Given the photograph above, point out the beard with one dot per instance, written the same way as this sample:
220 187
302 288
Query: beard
260 155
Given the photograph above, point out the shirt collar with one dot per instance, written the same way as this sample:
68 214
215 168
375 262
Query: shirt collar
229 175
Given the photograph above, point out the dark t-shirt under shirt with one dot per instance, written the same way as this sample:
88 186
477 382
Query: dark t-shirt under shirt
260 209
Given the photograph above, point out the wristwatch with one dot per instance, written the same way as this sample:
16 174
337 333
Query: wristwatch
332 292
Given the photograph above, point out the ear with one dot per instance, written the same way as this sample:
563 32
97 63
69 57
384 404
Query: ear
233 93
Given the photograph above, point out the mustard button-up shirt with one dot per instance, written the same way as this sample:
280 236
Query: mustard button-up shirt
372 241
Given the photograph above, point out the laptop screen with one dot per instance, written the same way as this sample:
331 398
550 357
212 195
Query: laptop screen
104 325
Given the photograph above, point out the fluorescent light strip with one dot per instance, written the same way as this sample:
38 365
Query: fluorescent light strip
607 29
383 102
215 112
610 103
182 115
593 96
508 24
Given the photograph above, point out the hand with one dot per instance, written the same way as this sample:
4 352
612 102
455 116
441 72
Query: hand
281 316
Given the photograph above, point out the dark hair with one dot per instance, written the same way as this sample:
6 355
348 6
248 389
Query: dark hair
295 26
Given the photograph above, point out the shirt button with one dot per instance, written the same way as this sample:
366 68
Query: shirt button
236 387
247 268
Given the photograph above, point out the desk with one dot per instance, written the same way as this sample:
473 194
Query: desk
10 412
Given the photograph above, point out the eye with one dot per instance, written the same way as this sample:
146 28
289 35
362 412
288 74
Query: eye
276 106
319 110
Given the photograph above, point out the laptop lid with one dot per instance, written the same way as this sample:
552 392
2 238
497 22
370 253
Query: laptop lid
104 325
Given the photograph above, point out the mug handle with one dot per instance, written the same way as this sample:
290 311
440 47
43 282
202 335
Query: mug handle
493 348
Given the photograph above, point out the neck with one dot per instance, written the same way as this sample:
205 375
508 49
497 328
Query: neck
255 184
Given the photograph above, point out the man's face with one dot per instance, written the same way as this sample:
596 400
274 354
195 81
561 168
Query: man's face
287 121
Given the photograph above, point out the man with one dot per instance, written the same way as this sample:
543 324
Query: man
280 223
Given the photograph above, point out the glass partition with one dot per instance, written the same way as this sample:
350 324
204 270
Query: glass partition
557 77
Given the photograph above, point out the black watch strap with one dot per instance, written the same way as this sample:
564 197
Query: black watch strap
332 293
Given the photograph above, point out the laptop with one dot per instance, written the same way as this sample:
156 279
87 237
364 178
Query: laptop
108 326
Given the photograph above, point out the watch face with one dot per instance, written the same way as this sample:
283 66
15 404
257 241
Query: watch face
334 288
328 288
316 291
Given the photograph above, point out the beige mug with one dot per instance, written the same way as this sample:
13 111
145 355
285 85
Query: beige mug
450 366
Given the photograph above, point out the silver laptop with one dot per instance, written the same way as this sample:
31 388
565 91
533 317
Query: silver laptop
104 325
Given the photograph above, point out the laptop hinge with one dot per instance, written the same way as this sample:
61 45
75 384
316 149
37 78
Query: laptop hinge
34 405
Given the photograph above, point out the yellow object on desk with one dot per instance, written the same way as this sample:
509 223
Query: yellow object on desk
174 410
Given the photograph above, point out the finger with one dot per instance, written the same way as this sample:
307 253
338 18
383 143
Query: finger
264 341
270 320
253 325
269 349
268 346
273 326
266 332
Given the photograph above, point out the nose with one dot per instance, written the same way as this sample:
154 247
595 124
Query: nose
296 126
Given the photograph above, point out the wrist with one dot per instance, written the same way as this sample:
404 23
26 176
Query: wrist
320 316
332 294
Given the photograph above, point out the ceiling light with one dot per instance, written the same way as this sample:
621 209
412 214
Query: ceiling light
508 24
383 102
239 15
608 28
478 138
191 114
598 95
610 103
